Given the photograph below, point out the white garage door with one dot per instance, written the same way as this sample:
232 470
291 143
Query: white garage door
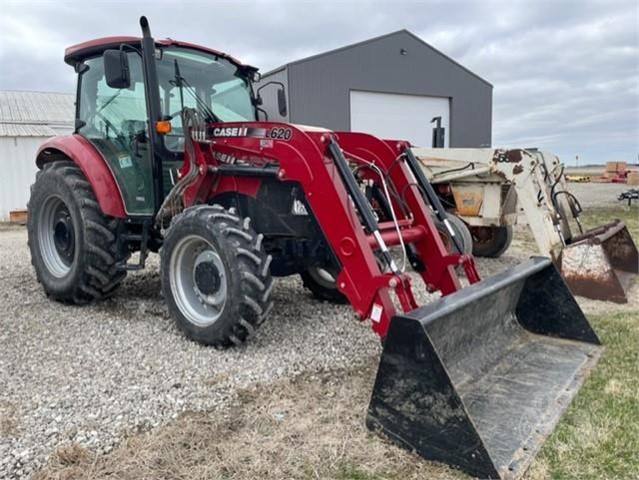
400 117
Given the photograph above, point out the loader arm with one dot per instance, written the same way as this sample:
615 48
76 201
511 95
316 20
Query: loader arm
241 154
599 263
534 197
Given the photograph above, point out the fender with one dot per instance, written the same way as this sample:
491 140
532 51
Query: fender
79 150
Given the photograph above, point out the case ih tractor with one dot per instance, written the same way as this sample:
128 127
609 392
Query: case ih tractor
168 155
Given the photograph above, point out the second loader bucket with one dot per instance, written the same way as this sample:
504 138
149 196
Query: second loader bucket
600 263
479 378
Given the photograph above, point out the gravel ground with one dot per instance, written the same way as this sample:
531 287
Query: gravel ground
598 194
89 375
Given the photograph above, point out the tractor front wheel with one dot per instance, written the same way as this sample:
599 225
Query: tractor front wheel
462 233
215 276
74 247
491 241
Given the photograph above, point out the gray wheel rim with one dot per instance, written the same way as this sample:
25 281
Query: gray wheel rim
323 277
48 221
199 308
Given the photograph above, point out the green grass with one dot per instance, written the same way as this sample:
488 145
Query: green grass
593 217
353 473
598 436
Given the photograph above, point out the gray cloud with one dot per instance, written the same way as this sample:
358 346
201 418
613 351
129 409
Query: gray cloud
566 74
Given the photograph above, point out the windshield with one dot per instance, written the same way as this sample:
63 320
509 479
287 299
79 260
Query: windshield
204 81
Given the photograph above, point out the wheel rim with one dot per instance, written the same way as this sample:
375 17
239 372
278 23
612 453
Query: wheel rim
484 235
323 277
56 236
198 280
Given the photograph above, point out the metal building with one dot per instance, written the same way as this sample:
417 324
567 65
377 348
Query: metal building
26 120
391 86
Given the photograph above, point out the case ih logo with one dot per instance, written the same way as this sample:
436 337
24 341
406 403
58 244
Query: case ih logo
277 133
230 132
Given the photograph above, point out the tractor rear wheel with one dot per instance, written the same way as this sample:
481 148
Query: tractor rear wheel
321 283
74 246
491 241
215 276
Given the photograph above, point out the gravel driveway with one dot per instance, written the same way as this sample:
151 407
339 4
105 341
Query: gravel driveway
91 374
598 194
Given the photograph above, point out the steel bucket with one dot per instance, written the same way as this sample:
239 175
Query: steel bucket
480 377
600 263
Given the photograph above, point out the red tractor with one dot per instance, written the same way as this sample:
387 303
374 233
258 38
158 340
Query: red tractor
168 155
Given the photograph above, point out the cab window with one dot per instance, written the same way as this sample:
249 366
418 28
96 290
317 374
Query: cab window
115 122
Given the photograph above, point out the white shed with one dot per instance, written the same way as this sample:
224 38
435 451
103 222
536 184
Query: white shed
26 120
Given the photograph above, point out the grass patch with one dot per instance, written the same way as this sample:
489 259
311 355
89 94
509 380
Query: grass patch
598 436
593 217
352 473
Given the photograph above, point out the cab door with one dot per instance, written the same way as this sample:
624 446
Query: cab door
115 121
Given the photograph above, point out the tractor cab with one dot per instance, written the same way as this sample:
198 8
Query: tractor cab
131 113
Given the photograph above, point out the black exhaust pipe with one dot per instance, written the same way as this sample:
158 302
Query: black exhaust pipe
153 106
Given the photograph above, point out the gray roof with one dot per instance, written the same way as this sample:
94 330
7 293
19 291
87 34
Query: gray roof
25 130
32 114
374 39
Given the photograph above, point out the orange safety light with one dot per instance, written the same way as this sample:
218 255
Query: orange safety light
163 126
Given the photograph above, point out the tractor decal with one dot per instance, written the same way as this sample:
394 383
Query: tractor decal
238 132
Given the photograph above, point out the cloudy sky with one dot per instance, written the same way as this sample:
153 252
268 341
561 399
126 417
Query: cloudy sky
565 74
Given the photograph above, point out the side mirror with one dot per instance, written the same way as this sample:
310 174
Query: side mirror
281 102
281 96
116 69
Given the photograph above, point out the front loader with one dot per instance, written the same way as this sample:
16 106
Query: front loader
169 155
491 189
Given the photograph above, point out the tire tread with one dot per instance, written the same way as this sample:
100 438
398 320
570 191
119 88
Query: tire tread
242 246
99 276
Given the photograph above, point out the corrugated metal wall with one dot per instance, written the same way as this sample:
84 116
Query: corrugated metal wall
269 95
319 87
17 172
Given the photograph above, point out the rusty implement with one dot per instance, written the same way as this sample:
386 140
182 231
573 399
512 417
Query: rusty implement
479 378
600 263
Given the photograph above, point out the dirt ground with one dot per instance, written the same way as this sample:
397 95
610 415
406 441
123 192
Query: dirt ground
308 427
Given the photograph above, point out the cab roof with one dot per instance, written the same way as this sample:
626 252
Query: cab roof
77 53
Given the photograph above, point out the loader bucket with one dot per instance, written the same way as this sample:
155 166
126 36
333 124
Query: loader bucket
480 377
600 263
